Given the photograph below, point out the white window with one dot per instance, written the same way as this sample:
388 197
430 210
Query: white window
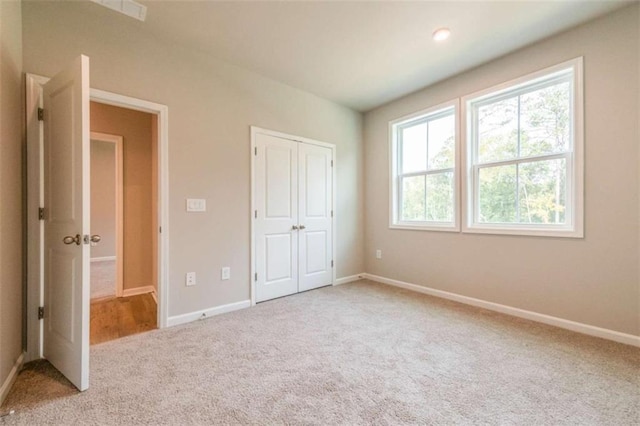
524 169
424 172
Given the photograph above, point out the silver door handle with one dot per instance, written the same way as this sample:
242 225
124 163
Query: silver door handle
96 238
303 227
70 240
294 228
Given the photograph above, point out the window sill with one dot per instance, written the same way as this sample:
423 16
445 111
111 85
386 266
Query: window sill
426 227
524 231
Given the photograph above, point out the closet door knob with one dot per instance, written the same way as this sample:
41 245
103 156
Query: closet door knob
294 228
302 227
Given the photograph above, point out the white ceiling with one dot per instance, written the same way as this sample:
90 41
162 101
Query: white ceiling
363 54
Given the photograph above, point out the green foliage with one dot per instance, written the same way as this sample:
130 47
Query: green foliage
527 192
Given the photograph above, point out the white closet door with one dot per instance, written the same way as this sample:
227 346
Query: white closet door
315 206
276 202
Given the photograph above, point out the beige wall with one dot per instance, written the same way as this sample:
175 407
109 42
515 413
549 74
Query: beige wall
592 280
135 127
103 197
211 106
11 214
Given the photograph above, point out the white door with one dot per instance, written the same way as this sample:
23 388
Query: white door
67 208
276 217
293 217
314 212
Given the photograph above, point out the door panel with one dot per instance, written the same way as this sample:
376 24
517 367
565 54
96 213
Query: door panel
276 242
66 202
314 165
316 247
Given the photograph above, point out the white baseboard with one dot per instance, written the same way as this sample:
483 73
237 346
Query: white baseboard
103 259
11 378
349 279
591 330
206 313
127 292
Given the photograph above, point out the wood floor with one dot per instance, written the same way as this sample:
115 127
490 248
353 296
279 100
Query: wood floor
118 317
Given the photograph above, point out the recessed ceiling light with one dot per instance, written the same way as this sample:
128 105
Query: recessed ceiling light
441 34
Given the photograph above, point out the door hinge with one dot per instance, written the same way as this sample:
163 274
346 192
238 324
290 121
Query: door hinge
41 213
255 277
40 312
332 263
40 114
331 213
255 151
331 163
255 214
160 229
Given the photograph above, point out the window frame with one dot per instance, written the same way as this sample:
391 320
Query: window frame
574 213
395 157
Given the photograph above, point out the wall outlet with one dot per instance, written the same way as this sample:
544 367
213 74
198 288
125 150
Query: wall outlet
378 254
190 279
225 273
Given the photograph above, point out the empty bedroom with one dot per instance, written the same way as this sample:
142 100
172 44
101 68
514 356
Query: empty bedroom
311 212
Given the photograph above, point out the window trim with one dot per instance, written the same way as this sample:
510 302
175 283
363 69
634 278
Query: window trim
575 159
394 181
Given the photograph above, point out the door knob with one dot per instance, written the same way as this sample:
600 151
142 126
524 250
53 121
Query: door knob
302 227
70 240
294 228
96 238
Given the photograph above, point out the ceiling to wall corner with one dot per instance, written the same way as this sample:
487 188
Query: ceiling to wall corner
362 54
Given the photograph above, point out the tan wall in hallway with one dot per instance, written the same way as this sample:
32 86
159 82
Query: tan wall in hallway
11 195
136 129
103 197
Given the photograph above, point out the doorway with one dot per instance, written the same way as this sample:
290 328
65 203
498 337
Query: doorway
35 223
107 215
123 266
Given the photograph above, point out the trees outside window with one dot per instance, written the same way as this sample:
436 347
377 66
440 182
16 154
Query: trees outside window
523 149
425 177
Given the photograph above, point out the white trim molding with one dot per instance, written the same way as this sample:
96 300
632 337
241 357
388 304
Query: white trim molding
128 292
616 336
349 279
206 313
103 259
11 378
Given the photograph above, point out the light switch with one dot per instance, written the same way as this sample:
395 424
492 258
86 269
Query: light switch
196 205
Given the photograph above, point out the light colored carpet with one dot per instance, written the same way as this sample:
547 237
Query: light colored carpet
103 279
361 353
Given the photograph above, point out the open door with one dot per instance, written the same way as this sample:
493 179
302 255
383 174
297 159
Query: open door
67 210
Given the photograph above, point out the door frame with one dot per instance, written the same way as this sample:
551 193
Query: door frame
254 132
119 157
35 199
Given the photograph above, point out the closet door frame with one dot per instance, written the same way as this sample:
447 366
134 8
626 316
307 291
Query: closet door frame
254 132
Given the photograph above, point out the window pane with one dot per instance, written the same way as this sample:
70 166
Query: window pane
542 191
414 148
440 197
498 130
497 194
442 143
545 120
413 198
